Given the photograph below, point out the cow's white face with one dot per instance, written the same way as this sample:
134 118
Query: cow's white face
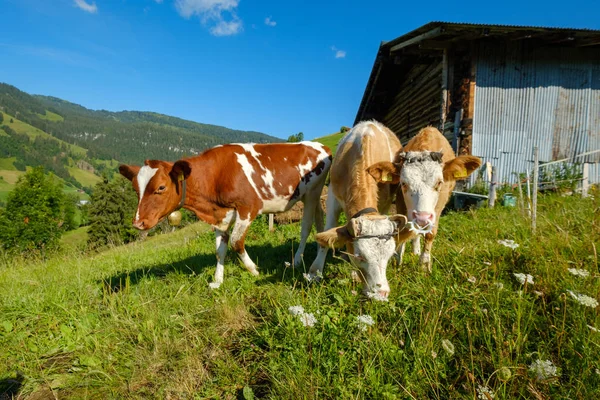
372 237
421 179
374 245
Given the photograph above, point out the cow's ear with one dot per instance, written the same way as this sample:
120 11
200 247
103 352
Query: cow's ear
399 220
460 167
334 237
129 171
385 172
181 170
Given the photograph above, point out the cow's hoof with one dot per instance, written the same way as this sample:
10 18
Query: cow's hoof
298 261
254 272
214 285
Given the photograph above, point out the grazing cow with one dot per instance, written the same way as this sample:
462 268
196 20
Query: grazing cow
230 185
368 235
427 173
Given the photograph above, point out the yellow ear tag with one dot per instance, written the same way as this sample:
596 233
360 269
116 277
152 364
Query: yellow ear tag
181 177
387 177
461 174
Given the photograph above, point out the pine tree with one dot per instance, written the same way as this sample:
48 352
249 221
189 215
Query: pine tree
111 211
34 214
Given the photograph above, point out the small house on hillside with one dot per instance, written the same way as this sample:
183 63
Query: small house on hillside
495 91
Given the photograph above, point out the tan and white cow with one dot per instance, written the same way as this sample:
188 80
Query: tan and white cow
426 173
369 234
232 184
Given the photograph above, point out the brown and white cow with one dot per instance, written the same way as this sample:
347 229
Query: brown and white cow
368 234
427 172
232 184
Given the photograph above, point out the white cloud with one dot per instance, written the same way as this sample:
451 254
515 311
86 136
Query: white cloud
270 22
212 14
87 7
227 28
338 53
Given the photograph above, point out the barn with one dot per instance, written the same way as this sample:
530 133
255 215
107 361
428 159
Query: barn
495 91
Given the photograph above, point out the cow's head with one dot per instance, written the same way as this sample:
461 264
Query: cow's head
421 175
372 237
157 186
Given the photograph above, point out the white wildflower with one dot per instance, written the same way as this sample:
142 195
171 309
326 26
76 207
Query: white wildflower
364 321
448 347
308 319
584 299
597 371
433 354
543 369
487 263
499 285
376 296
522 278
594 329
509 243
287 264
472 279
296 310
484 393
579 272
311 277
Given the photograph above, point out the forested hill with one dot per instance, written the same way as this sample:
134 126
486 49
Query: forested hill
127 136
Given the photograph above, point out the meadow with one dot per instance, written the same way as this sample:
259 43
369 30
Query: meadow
140 321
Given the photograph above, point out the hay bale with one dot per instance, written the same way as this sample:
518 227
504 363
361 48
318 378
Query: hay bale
294 214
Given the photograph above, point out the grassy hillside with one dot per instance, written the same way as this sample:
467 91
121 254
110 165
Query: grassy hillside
331 140
140 322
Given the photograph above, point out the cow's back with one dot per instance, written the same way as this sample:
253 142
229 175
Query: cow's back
367 143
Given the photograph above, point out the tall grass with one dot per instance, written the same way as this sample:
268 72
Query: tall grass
140 321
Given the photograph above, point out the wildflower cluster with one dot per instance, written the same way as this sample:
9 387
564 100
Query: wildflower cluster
584 299
364 321
579 272
307 319
509 243
522 278
543 369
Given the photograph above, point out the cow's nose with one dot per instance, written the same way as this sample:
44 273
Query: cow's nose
384 293
423 218
138 225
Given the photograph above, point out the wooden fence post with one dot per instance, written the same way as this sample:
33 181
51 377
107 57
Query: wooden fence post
521 202
585 183
492 198
536 168
271 228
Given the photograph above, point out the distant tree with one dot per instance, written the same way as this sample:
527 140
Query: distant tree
70 212
34 214
1 118
113 204
296 138
11 121
344 129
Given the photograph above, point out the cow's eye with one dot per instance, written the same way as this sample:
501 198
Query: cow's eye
161 189
438 185
404 187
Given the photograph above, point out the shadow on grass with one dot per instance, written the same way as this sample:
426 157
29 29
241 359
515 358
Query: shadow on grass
10 387
270 259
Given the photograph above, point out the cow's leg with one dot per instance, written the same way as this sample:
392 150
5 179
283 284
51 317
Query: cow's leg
426 255
400 253
334 209
308 217
221 242
416 245
238 237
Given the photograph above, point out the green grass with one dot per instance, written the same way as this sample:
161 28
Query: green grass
75 240
86 178
31 131
7 164
140 322
50 116
331 141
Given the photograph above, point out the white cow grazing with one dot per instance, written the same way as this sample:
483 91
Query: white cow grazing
427 172
368 235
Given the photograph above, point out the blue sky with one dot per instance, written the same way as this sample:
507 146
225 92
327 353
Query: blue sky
278 67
